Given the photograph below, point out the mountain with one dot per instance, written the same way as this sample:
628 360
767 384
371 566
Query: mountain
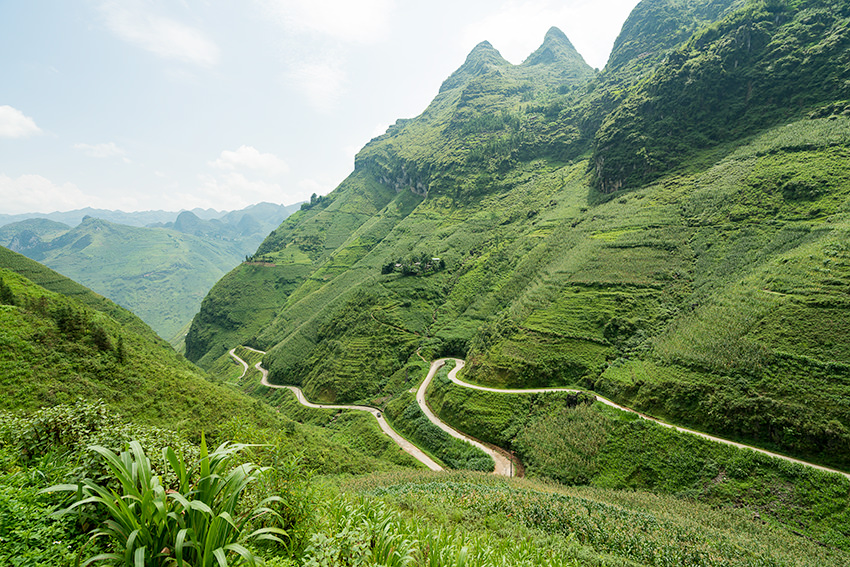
65 345
140 218
263 212
31 232
652 232
160 272
247 227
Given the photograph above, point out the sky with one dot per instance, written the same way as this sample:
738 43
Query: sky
176 104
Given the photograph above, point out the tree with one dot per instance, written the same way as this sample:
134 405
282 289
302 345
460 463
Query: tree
120 350
7 297
101 339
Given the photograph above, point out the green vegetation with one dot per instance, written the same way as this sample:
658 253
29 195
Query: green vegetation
407 418
162 272
355 430
763 64
527 523
198 522
560 437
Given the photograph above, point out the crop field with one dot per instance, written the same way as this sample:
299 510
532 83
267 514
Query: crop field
618 527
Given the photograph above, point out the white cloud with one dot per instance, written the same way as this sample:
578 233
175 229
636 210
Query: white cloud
13 123
107 150
310 186
134 21
244 177
316 39
322 83
32 193
248 157
364 21
516 28
233 190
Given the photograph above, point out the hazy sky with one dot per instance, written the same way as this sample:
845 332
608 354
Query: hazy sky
149 104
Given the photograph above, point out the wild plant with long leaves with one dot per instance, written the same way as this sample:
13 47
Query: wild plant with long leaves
197 525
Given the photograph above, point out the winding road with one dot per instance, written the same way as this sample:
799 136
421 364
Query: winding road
406 445
453 377
501 458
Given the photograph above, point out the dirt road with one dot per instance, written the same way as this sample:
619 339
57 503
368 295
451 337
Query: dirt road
503 462
453 377
406 445
500 457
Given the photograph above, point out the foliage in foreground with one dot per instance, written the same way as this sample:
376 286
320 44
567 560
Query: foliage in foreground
197 523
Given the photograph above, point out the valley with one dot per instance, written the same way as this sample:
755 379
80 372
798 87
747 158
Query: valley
623 291
157 264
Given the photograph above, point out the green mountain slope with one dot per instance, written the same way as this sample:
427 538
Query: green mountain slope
714 296
160 272
31 232
162 275
763 64
61 343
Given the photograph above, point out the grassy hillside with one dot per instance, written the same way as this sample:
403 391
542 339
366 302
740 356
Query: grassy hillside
565 437
62 344
519 522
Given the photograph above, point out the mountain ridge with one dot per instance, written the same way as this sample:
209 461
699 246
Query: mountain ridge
674 289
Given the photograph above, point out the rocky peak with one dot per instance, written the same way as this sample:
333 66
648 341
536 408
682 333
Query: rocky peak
557 51
483 59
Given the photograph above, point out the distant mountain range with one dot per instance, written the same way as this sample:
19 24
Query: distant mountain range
139 218
161 271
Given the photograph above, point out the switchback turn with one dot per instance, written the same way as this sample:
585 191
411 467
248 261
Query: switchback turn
500 457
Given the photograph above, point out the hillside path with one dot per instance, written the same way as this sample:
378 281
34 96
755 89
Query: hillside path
500 458
406 445
453 377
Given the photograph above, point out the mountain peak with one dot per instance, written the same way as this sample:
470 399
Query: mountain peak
556 49
555 35
483 59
